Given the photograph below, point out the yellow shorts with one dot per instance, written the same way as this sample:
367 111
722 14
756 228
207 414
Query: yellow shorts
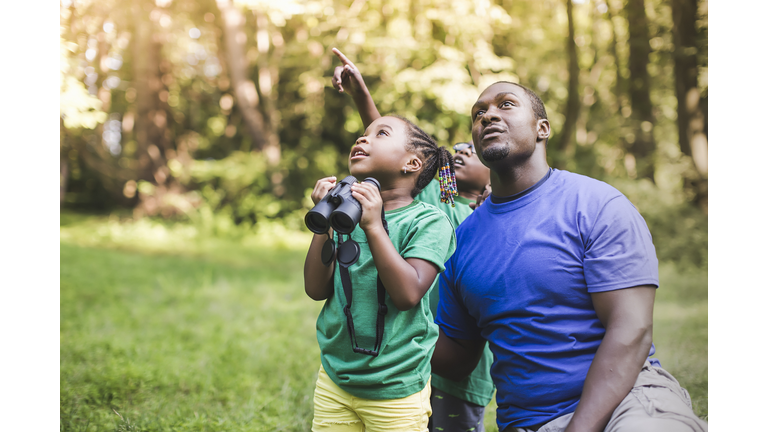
337 410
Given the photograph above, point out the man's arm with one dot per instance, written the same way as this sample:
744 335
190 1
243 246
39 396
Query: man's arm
456 358
346 78
627 315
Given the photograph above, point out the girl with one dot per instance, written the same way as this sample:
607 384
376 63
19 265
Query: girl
369 381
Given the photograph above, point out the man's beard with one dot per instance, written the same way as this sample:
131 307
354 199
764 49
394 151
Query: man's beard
495 153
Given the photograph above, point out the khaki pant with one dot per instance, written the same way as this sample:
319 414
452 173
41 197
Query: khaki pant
655 403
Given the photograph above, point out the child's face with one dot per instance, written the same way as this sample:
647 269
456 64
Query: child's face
380 152
471 174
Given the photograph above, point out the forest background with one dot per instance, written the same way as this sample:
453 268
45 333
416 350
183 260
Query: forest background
198 129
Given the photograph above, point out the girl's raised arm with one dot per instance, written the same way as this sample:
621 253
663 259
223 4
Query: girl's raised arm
346 78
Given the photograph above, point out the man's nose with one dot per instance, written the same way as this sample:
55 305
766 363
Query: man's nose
490 116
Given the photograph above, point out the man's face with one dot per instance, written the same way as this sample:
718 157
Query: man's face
504 126
471 174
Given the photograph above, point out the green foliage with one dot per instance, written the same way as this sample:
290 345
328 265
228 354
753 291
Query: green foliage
424 59
679 230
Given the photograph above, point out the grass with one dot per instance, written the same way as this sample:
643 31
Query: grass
165 330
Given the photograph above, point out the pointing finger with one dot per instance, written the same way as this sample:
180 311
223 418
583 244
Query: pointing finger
342 57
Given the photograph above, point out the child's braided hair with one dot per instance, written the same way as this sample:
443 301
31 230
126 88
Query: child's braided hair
436 160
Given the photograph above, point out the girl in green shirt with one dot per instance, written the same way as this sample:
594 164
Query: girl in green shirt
390 389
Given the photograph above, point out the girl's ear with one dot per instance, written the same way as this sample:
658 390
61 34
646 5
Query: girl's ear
414 164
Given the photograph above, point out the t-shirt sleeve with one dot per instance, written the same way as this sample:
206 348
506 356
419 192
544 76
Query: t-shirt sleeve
431 238
619 251
452 315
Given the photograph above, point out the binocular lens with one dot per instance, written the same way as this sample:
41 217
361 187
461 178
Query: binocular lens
316 222
342 223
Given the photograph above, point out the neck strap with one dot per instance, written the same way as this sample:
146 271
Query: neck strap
346 283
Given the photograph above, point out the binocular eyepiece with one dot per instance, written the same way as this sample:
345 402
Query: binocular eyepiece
338 209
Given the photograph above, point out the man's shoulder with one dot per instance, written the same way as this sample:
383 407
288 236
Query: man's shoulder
580 192
586 185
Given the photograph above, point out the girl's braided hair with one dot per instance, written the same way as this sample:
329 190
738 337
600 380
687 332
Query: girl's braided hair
435 160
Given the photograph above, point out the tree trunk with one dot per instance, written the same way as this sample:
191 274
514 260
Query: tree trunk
151 119
63 177
642 146
146 81
619 84
267 80
573 106
690 117
245 90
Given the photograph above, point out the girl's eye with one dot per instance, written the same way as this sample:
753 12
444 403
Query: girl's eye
382 132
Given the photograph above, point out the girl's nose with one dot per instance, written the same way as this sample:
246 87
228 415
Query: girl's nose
362 139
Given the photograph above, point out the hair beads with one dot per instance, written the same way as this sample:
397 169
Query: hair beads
447 180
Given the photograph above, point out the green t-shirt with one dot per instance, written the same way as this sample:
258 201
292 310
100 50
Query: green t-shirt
402 367
478 386
431 195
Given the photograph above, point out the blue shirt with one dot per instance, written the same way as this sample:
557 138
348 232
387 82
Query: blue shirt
521 278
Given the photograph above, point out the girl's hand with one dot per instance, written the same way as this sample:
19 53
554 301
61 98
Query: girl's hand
481 198
322 187
370 200
346 77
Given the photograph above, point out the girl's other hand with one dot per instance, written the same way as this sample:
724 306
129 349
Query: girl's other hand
322 187
481 198
346 77
370 200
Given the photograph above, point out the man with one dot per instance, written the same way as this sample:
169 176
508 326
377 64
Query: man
557 272
456 406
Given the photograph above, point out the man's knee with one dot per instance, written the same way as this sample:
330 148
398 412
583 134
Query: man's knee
657 402
647 424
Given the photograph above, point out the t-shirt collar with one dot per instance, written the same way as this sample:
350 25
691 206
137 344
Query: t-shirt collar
501 200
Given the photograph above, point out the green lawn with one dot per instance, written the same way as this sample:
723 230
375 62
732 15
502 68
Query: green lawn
219 335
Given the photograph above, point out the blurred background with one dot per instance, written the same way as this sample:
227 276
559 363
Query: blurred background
193 131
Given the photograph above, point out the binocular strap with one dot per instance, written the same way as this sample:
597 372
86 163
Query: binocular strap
346 283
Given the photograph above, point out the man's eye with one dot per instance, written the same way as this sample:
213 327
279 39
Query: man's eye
478 113
507 104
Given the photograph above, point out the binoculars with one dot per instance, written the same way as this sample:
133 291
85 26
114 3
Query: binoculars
338 209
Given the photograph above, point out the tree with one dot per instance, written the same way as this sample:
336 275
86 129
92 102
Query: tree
640 141
691 117
573 106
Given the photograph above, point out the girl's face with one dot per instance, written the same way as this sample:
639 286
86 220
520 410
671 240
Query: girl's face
380 153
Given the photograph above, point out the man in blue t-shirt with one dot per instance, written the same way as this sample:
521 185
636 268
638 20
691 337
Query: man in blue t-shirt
558 273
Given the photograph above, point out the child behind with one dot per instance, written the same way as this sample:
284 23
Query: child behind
389 391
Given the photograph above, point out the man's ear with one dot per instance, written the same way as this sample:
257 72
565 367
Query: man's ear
543 129
414 164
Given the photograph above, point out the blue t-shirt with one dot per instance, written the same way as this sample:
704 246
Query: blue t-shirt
521 278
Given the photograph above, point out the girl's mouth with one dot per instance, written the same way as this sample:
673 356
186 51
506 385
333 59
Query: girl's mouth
357 153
